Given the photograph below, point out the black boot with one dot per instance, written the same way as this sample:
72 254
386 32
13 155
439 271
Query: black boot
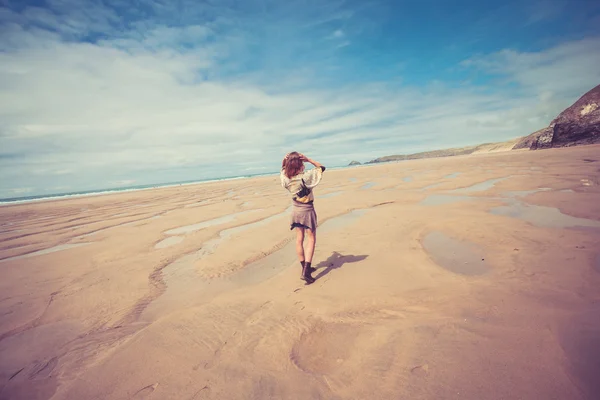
306 273
308 268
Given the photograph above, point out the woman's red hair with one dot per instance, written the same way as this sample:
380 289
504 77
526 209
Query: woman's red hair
292 164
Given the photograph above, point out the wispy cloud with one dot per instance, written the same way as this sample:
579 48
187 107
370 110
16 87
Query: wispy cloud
564 70
93 95
338 33
545 10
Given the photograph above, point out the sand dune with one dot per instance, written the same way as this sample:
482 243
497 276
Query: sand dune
470 277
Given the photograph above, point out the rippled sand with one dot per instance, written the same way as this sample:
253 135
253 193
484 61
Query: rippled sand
460 278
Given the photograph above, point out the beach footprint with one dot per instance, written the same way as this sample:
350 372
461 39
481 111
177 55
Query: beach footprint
257 316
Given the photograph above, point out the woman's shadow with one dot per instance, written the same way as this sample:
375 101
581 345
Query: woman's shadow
335 261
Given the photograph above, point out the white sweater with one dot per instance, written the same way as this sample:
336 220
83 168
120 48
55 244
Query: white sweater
307 179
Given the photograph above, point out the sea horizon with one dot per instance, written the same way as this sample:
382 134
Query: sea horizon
109 190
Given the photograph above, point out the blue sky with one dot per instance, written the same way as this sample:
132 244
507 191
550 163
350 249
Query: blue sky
98 94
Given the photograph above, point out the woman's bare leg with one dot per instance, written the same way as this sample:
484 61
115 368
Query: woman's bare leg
299 243
311 241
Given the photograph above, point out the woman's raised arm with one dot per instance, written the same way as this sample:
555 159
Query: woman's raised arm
313 162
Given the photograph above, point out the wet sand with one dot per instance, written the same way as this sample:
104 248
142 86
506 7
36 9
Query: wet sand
460 278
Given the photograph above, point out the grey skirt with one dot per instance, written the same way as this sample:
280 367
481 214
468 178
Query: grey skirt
303 216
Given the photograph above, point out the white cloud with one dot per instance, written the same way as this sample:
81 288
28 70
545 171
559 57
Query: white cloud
565 70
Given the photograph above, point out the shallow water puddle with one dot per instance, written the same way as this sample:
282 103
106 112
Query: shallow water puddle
440 199
331 194
186 286
433 185
205 224
92 233
407 179
341 221
479 187
542 216
210 245
453 175
523 193
275 262
237 229
46 251
368 185
168 242
457 256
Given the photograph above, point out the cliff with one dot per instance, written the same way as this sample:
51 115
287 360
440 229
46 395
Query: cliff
457 151
578 124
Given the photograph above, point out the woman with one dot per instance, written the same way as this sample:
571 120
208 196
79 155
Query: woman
304 218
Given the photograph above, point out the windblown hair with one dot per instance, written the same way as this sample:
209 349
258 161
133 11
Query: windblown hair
292 164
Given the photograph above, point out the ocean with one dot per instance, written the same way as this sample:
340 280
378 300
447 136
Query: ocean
96 192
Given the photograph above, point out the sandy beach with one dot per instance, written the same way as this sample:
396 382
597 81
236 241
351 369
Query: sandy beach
470 277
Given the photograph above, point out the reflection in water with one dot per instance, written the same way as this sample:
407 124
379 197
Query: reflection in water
479 187
205 224
524 193
542 216
184 286
368 185
454 255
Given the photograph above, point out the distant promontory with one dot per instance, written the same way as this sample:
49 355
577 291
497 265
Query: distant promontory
577 125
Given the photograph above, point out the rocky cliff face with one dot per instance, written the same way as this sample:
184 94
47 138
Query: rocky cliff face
578 124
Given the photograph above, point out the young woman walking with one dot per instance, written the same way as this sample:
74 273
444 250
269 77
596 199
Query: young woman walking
300 183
